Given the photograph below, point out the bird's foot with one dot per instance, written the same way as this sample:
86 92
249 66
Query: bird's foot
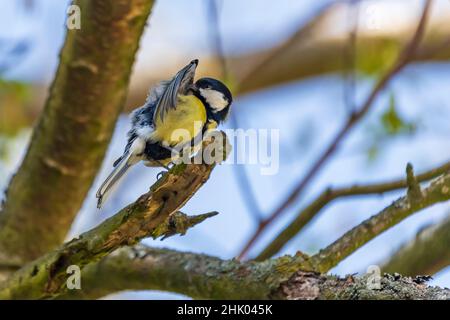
160 174
170 165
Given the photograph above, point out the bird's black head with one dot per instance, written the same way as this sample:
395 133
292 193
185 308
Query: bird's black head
216 97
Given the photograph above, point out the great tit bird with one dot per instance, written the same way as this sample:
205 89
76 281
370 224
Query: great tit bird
174 104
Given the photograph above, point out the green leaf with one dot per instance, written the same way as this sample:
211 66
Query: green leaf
392 123
378 57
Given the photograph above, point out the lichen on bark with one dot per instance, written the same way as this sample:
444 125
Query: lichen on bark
71 136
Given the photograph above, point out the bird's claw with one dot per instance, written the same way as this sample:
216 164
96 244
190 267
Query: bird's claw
160 174
170 165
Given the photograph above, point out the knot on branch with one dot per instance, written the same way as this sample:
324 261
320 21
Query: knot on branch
179 223
303 285
414 191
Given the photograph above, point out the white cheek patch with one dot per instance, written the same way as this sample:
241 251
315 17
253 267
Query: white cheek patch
216 99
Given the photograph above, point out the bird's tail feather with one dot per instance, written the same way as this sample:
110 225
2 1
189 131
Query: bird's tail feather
119 170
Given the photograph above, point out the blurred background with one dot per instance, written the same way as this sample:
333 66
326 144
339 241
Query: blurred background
302 66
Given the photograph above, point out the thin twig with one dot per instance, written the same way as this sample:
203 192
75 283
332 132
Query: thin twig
330 194
274 55
438 191
350 57
352 121
240 172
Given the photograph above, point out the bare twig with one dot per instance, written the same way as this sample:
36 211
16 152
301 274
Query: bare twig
438 191
350 55
330 194
352 121
243 181
276 54
216 38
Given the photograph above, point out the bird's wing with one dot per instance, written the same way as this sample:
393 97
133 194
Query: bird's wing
178 85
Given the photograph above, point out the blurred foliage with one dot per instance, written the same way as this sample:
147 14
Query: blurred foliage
378 58
14 111
390 124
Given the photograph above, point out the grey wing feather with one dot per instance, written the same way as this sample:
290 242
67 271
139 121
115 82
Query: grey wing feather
160 100
143 116
168 100
178 85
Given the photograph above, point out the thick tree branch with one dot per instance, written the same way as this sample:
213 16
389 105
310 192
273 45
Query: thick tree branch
403 59
177 223
205 277
72 134
330 194
46 276
427 253
202 276
438 191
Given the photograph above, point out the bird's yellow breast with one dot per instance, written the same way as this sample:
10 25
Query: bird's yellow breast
183 123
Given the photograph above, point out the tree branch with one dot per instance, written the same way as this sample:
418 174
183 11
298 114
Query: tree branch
404 57
177 223
202 276
243 181
330 194
73 132
311 54
205 277
311 50
427 253
438 191
46 276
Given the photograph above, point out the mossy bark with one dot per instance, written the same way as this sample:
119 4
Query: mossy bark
201 276
426 254
205 277
73 132
46 277
314 208
438 191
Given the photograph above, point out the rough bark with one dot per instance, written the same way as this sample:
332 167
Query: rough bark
326 197
438 191
73 132
427 253
205 277
46 276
